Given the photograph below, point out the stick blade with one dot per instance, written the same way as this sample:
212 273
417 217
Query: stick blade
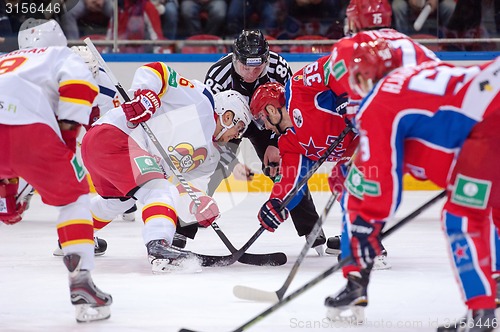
253 294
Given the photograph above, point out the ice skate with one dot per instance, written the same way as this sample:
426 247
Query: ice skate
319 243
349 304
482 320
129 215
333 245
179 241
166 258
100 246
91 304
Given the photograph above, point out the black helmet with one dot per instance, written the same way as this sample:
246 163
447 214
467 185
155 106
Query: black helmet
251 48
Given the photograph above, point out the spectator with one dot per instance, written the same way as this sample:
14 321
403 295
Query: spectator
406 11
169 14
216 13
261 14
137 20
97 11
467 22
315 17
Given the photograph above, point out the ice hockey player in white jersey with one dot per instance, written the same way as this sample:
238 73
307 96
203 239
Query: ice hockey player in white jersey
46 94
189 122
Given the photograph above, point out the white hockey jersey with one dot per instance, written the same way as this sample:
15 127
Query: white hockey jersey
184 126
42 85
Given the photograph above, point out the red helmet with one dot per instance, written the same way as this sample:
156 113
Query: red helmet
271 93
366 14
372 61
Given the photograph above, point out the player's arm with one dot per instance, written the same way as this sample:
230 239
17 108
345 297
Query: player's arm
77 92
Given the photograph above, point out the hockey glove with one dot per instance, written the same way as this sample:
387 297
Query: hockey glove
269 216
365 241
94 116
142 107
341 103
207 212
337 178
69 133
10 212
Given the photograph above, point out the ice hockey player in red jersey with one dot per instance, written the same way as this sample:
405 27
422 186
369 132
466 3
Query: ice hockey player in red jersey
431 120
188 121
367 20
305 114
46 94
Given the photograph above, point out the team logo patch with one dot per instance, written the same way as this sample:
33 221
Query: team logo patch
78 168
327 69
297 117
485 86
147 164
471 192
185 157
339 69
354 182
172 77
371 188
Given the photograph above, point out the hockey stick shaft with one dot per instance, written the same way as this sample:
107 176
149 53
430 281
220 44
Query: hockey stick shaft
246 293
338 266
298 187
156 143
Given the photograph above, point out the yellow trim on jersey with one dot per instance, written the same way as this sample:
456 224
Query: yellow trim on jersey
82 82
75 222
160 204
70 243
75 101
101 220
160 216
162 77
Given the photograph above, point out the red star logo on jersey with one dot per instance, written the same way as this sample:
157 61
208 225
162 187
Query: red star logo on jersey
311 149
460 252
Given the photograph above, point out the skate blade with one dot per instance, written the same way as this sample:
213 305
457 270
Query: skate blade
381 263
354 315
185 266
86 313
320 250
333 252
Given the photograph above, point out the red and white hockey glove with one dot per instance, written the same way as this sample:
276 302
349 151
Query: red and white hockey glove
337 178
207 212
269 216
94 116
69 135
142 107
10 214
365 241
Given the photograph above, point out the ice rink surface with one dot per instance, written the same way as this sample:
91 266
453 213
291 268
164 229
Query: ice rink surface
417 294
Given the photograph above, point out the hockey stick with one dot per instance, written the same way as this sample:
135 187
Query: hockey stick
422 17
332 269
274 258
293 192
249 293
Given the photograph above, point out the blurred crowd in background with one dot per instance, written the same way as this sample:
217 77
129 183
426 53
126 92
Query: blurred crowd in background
224 19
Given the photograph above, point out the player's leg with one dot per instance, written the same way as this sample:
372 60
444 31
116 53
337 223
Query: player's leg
58 176
159 199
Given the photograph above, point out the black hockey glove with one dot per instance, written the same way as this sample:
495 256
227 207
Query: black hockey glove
365 241
269 216
341 103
